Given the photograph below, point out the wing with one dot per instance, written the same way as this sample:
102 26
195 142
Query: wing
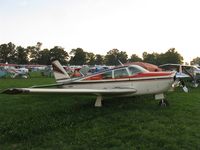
182 75
71 91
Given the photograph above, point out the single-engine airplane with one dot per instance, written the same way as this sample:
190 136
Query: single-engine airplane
19 72
120 81
13 70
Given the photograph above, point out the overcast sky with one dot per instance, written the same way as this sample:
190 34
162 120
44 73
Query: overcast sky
98 26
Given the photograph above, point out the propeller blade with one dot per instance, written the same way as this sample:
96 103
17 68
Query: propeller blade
180 83
185 89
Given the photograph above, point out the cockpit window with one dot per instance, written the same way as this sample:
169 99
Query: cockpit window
119 73
107 75
136 69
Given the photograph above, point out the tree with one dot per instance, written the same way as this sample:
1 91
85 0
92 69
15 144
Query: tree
135 58
150 58
79 57
8 53
45 57
195 61
21 55
113 56
171 56
35 52
58 53
90 58
99 59
122 56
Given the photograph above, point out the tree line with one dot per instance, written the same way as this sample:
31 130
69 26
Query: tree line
10 53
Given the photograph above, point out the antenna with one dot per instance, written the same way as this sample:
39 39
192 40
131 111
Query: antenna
120 62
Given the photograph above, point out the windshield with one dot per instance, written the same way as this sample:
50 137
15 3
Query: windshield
136 69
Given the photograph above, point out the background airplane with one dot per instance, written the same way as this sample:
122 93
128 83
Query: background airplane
13 70
19 72
184 73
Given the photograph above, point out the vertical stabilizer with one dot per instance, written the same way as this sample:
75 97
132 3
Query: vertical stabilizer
59 72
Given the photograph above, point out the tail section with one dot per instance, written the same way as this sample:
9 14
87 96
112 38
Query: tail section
59 72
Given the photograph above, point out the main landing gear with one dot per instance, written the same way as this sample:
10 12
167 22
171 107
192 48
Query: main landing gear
163 103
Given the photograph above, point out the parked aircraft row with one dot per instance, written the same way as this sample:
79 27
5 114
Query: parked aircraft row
183 71
14 70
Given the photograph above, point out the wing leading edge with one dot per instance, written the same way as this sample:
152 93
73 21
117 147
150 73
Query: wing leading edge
70 91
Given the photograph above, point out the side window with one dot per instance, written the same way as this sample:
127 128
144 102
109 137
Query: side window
120 73
107 75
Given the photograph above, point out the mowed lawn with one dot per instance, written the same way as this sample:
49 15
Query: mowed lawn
59 121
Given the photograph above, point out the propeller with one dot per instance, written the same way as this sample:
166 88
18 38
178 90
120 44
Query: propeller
180 83
195 82
193 77
184 87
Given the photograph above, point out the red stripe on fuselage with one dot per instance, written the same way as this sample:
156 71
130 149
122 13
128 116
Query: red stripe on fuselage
151 74
122 80
139 75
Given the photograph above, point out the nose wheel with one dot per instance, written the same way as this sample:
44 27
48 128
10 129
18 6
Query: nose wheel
163 103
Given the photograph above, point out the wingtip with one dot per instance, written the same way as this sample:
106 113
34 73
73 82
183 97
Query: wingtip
13 91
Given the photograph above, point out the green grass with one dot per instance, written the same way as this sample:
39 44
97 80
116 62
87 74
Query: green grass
52 121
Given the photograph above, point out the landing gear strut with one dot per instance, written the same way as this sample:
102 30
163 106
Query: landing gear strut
163 103
98 102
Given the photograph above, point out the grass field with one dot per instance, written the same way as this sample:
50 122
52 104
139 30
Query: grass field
71 122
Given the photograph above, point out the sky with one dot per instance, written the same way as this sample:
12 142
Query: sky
97 26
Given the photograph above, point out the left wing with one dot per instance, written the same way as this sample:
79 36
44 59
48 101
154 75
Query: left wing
182 75
70 91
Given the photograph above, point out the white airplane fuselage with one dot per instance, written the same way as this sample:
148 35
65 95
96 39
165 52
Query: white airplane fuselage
142 85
